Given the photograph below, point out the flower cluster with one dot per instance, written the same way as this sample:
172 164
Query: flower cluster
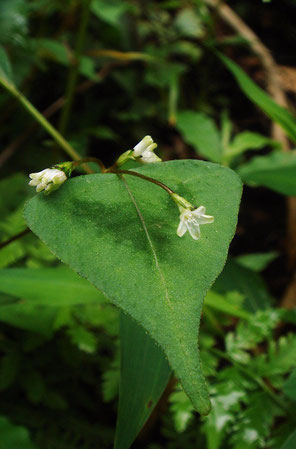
48 180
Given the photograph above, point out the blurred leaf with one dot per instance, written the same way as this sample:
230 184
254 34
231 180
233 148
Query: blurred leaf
14 437
109 11
277 171
83 339
51 287
220 303
234 277
113 238
275 112
111 380
41 296
278 361
52 49
248 334
201 132
290 386
9 366
226 397
188 23
143 377
253 424
13 21
5 66
13 190
290 443
257 261
181 409
247 141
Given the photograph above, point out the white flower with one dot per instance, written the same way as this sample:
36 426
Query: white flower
49 179
144 150
190 220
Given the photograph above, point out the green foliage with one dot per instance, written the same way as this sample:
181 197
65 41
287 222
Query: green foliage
145 68
14 437
277 171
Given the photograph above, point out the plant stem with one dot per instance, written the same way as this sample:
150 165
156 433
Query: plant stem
15 237
146 178
41 120
74 69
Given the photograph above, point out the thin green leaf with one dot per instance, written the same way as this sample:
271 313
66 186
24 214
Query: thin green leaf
50 287
275 112
5 66
144 375
290 386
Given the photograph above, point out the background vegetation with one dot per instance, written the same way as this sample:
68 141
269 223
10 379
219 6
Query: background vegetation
208 81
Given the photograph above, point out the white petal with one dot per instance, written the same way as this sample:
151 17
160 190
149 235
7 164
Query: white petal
40 187
33 182
205 219
151 147
182 228
59 177
193 229
149 157
142 145
199 211
200 217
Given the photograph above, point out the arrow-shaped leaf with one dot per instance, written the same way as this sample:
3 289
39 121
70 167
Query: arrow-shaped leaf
121 235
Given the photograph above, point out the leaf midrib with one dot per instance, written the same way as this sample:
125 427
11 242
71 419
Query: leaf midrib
170 308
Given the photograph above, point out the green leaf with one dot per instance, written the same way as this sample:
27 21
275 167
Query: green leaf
234 277
110 11
189 24
39 297
247 141
52 287
14 437
290 386
144 375
200 131
5 66
277 171
256 261
275 112
181 409
121 235
220 303
290 443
